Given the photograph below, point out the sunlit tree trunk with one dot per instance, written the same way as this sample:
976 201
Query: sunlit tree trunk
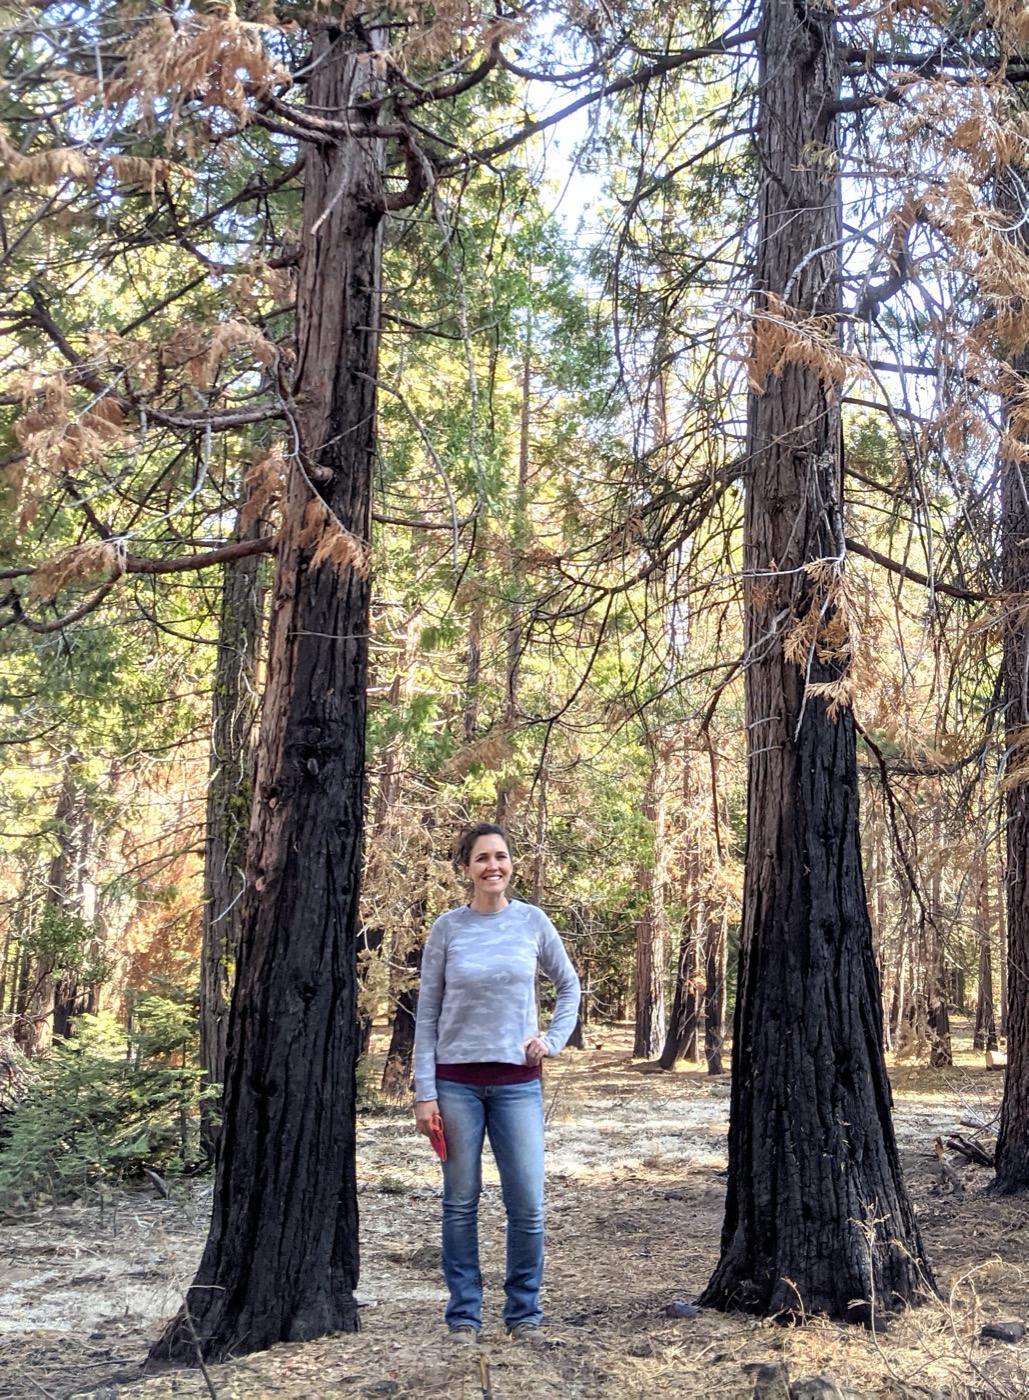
985 1032
650 926
817 1216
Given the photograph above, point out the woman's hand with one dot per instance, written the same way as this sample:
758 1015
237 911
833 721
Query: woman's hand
424 1110
535 1050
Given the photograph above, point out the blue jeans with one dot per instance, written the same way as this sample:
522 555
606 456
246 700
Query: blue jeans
512 1116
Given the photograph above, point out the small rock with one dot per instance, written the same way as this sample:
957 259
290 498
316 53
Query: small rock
1004 1331
771 1380
679 1309
821 1387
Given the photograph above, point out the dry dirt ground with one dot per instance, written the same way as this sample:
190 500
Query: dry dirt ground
636 1178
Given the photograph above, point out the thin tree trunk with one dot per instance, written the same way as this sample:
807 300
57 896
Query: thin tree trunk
985 1036
281 1260
512 680
817 1216
34 1022
1012 1155
1002 938
681 1038
396 1074
650 927
714 991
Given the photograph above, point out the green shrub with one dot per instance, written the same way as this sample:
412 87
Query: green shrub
99 1109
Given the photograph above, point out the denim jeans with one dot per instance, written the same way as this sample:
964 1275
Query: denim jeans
512 1116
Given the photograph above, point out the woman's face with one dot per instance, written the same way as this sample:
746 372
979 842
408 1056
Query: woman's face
489 865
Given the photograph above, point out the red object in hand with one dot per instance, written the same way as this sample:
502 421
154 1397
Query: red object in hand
439 1142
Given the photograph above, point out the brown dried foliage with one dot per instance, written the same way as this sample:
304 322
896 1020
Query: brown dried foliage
80 564
333 544
785 335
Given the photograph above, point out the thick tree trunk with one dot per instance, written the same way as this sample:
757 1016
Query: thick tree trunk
281 1260
817 1217
650 927
1013 1140
229 789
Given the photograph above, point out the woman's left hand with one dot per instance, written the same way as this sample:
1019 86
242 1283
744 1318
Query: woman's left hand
535 1050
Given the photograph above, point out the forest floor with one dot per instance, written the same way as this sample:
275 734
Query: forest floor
636 1180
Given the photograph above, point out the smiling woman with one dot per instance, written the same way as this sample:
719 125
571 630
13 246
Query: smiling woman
478 1057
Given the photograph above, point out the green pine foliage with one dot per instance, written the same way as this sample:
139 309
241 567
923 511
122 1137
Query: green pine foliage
102 1107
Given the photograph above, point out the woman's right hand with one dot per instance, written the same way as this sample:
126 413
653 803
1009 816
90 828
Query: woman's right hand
424 1111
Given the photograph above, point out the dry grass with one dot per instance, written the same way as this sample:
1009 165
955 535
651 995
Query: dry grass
635 1187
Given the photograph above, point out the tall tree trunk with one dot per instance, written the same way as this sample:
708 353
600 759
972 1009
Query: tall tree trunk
985 1036
714 991
1002 936
40 976
281 1260
514 640
681 1039
817 1217
941 1054
1012 1156
650 927
71 998
229 789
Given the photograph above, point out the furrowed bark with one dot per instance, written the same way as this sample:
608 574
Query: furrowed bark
281 1260
817 1217
1012 1157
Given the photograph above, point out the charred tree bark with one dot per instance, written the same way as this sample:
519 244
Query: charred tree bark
281 1260
681 1040
817 1217
229 791
1012 1156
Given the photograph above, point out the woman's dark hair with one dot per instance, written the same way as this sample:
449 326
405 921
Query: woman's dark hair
463 851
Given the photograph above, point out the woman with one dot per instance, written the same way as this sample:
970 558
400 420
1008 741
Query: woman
477 1062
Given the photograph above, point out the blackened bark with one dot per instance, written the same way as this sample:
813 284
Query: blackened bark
281 1260
229 791
817 1217
681 1040
1012 1155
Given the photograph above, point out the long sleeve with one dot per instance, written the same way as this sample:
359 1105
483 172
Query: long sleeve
557 965
430 1003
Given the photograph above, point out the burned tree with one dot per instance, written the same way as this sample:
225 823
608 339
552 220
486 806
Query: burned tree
281 1260
817 1217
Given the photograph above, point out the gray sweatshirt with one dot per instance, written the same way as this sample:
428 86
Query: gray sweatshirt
477 999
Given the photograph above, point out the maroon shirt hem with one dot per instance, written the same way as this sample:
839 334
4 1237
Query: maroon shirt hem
489 1072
